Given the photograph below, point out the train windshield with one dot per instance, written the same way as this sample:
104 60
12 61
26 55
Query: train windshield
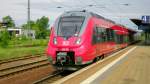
70 26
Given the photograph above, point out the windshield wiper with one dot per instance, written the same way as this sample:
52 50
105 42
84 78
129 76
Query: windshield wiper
76 28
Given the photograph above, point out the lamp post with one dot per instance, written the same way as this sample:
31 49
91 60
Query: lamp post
28 21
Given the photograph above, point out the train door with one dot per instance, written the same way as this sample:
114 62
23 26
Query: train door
102 41
98 47
116 40
95 40
110 39
119 40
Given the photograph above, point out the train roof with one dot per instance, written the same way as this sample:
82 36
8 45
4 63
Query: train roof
99 16
129 29
86 13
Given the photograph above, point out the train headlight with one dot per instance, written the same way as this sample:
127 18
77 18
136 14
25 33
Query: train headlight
55 41
79 60
78 41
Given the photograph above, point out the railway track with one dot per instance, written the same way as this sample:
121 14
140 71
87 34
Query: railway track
22 68
53 77
21 58
11 68
14 66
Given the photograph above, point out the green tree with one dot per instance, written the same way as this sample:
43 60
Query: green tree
9 21
4 38
32 24
41 27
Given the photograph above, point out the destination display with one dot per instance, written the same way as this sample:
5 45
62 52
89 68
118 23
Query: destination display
146 19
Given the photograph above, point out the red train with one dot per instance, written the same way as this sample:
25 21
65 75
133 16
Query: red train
80 37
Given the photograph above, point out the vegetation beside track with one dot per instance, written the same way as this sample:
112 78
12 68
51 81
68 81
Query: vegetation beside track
28 43
8 53
23 47
14 45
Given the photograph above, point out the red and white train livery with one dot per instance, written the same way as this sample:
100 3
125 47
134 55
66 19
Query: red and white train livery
79 38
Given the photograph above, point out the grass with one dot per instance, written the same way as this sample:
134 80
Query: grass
8 53
32 42
19 48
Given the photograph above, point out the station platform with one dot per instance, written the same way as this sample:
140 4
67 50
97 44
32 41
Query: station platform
128 66
133 70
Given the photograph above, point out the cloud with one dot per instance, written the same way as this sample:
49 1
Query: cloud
59 0
18 8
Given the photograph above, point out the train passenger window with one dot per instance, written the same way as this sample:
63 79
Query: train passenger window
126 38
119 39
110 34
99 38
100 35
94 37
103 35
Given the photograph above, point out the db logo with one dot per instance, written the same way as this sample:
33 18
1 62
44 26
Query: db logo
66 43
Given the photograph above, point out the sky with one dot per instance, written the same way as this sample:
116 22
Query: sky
118 10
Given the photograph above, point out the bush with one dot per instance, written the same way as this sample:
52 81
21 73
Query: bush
4 38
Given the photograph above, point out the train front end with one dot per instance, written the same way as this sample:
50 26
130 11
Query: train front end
68 47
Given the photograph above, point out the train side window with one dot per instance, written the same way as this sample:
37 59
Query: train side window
99 38
103 34
100 35
113 35
119 39
126 39
94 37
116 38
110 34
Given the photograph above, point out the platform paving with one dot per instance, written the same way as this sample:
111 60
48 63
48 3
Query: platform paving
135 69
